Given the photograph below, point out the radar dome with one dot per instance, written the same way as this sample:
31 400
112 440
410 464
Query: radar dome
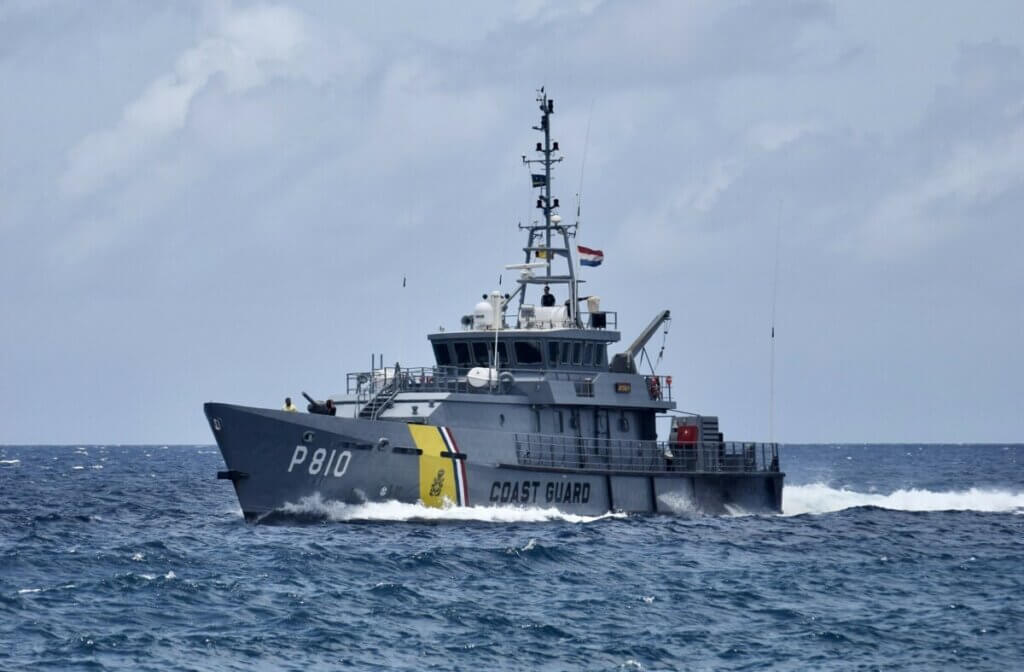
483 315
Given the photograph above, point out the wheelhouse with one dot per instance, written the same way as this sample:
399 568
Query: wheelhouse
562 349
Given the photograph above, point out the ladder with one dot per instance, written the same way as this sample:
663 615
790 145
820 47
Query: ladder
376 405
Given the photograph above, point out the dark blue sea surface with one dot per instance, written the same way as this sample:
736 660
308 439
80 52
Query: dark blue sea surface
887 557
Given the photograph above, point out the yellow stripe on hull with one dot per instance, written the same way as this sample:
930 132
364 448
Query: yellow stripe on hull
437 474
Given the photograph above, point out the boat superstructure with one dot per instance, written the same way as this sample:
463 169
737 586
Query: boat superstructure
527 403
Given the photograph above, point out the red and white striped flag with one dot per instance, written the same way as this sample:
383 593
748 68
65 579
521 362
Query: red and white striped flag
589 257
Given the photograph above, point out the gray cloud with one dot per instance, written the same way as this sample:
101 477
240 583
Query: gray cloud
250 47
230 208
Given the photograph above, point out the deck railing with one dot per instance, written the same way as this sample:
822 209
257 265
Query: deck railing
448 379
630 455
601 320
412 379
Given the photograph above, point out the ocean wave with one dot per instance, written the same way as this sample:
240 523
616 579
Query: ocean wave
317 507
10 461
821 498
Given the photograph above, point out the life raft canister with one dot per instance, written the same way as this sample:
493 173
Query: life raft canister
686 434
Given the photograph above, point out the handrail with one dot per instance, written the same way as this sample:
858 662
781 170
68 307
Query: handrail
586 322
611 319
631 455
382 399
368 384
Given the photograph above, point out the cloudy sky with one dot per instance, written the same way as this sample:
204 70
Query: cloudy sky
218 201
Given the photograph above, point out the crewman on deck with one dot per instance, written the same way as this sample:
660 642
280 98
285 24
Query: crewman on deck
289 406
654 387
548 299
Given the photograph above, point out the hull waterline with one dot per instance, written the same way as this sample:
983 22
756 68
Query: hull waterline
278 460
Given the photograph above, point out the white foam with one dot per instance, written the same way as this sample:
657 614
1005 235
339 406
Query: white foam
678 503
137 557
170 575
23 591
10 461
78 467
821 498
735 511
147 577
399 511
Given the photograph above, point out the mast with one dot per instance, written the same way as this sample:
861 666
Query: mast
552 221
546 108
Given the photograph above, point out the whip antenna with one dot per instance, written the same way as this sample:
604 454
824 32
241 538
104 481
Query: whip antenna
583 164
579 192
771 367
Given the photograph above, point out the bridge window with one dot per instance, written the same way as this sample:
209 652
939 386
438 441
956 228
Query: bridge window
502 354
553 353
588 354
599 355
577 348
584 388
528 352
442 355
565 353
480 353
462 353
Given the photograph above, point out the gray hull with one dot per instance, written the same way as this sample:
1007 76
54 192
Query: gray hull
275 459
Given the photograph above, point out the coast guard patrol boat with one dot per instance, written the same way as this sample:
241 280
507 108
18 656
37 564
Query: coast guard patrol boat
528 404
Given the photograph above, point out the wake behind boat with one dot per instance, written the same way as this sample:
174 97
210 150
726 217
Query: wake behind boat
522 406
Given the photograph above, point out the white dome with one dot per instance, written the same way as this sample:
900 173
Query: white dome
483 315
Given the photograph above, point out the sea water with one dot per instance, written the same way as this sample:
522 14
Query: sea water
886 557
